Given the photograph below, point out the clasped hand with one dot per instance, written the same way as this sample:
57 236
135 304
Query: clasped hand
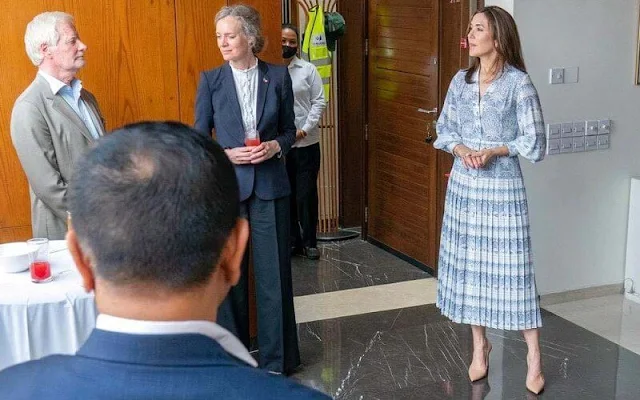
253 154
474 159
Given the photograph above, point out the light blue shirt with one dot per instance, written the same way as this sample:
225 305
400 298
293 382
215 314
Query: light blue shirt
508 114
71 94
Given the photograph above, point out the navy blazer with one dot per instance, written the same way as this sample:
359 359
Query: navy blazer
124 366
217 107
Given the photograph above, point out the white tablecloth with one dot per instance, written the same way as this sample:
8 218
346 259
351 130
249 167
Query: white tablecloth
46 318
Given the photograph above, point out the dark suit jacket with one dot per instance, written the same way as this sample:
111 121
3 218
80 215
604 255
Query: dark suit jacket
123 366
217 108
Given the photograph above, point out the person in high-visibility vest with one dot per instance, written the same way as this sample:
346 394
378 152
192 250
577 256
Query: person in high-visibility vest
314 47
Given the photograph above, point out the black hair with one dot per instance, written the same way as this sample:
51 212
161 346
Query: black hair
154 202
293 28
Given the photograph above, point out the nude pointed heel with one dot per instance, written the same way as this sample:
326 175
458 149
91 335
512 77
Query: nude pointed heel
476 374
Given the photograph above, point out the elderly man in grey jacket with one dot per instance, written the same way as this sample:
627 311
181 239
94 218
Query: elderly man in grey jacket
54 120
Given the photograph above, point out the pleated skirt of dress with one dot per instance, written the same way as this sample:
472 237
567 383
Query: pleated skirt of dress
485 267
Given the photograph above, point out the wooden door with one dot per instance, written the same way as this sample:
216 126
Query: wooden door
402 105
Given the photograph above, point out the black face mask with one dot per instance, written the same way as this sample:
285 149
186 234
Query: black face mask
288 51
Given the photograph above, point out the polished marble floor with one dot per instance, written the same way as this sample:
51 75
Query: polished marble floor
613 317
349 264
412 352
415 353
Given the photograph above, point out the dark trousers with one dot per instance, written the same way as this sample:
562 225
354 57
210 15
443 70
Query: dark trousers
277 334
303 165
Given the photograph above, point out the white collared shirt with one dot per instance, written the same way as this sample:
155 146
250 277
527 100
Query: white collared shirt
309 102
210 329
246 82
71 94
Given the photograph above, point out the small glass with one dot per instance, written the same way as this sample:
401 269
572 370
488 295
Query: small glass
252 138
39 266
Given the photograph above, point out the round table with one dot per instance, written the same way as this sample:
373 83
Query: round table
38 319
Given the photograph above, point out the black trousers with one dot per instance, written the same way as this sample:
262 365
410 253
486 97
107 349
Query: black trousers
303 165
277 333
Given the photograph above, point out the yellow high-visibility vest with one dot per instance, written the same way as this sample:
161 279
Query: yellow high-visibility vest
314 47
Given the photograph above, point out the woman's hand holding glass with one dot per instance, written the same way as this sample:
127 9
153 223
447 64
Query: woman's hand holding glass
240 155
253 154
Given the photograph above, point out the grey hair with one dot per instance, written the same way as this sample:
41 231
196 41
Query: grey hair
43 29
249 19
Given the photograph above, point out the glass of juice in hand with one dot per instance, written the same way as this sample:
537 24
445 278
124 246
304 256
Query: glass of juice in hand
40 268
251 138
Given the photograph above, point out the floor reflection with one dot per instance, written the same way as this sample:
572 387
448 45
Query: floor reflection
349 264
415 353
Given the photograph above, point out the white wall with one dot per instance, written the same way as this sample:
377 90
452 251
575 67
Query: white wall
506 4
579 202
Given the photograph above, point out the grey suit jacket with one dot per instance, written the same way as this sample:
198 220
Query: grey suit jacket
49 137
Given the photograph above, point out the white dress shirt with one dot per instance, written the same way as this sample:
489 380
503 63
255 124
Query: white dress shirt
246 82
308 101
71 94
210 329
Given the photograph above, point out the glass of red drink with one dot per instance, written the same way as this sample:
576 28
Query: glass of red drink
251 138
39 268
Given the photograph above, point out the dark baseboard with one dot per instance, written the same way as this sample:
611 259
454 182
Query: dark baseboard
402 256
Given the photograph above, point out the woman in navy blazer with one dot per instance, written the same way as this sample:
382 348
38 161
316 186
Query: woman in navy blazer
237 99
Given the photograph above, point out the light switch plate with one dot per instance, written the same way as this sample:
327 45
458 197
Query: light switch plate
579 128
571 74
592 128
566 145
590 143
604 126
567 129
556 76
578 144
603 142
553 131
553 146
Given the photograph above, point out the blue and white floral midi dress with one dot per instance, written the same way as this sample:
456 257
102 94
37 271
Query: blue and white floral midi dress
485 267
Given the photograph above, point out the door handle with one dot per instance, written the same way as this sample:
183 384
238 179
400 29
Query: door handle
432 111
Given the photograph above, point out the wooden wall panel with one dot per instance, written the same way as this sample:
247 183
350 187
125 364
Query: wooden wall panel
16 74
195 19
20 233
131 68
351 112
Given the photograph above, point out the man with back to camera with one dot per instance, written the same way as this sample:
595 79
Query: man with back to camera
155 232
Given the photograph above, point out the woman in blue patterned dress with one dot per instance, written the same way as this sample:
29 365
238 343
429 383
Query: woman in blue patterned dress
490 117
